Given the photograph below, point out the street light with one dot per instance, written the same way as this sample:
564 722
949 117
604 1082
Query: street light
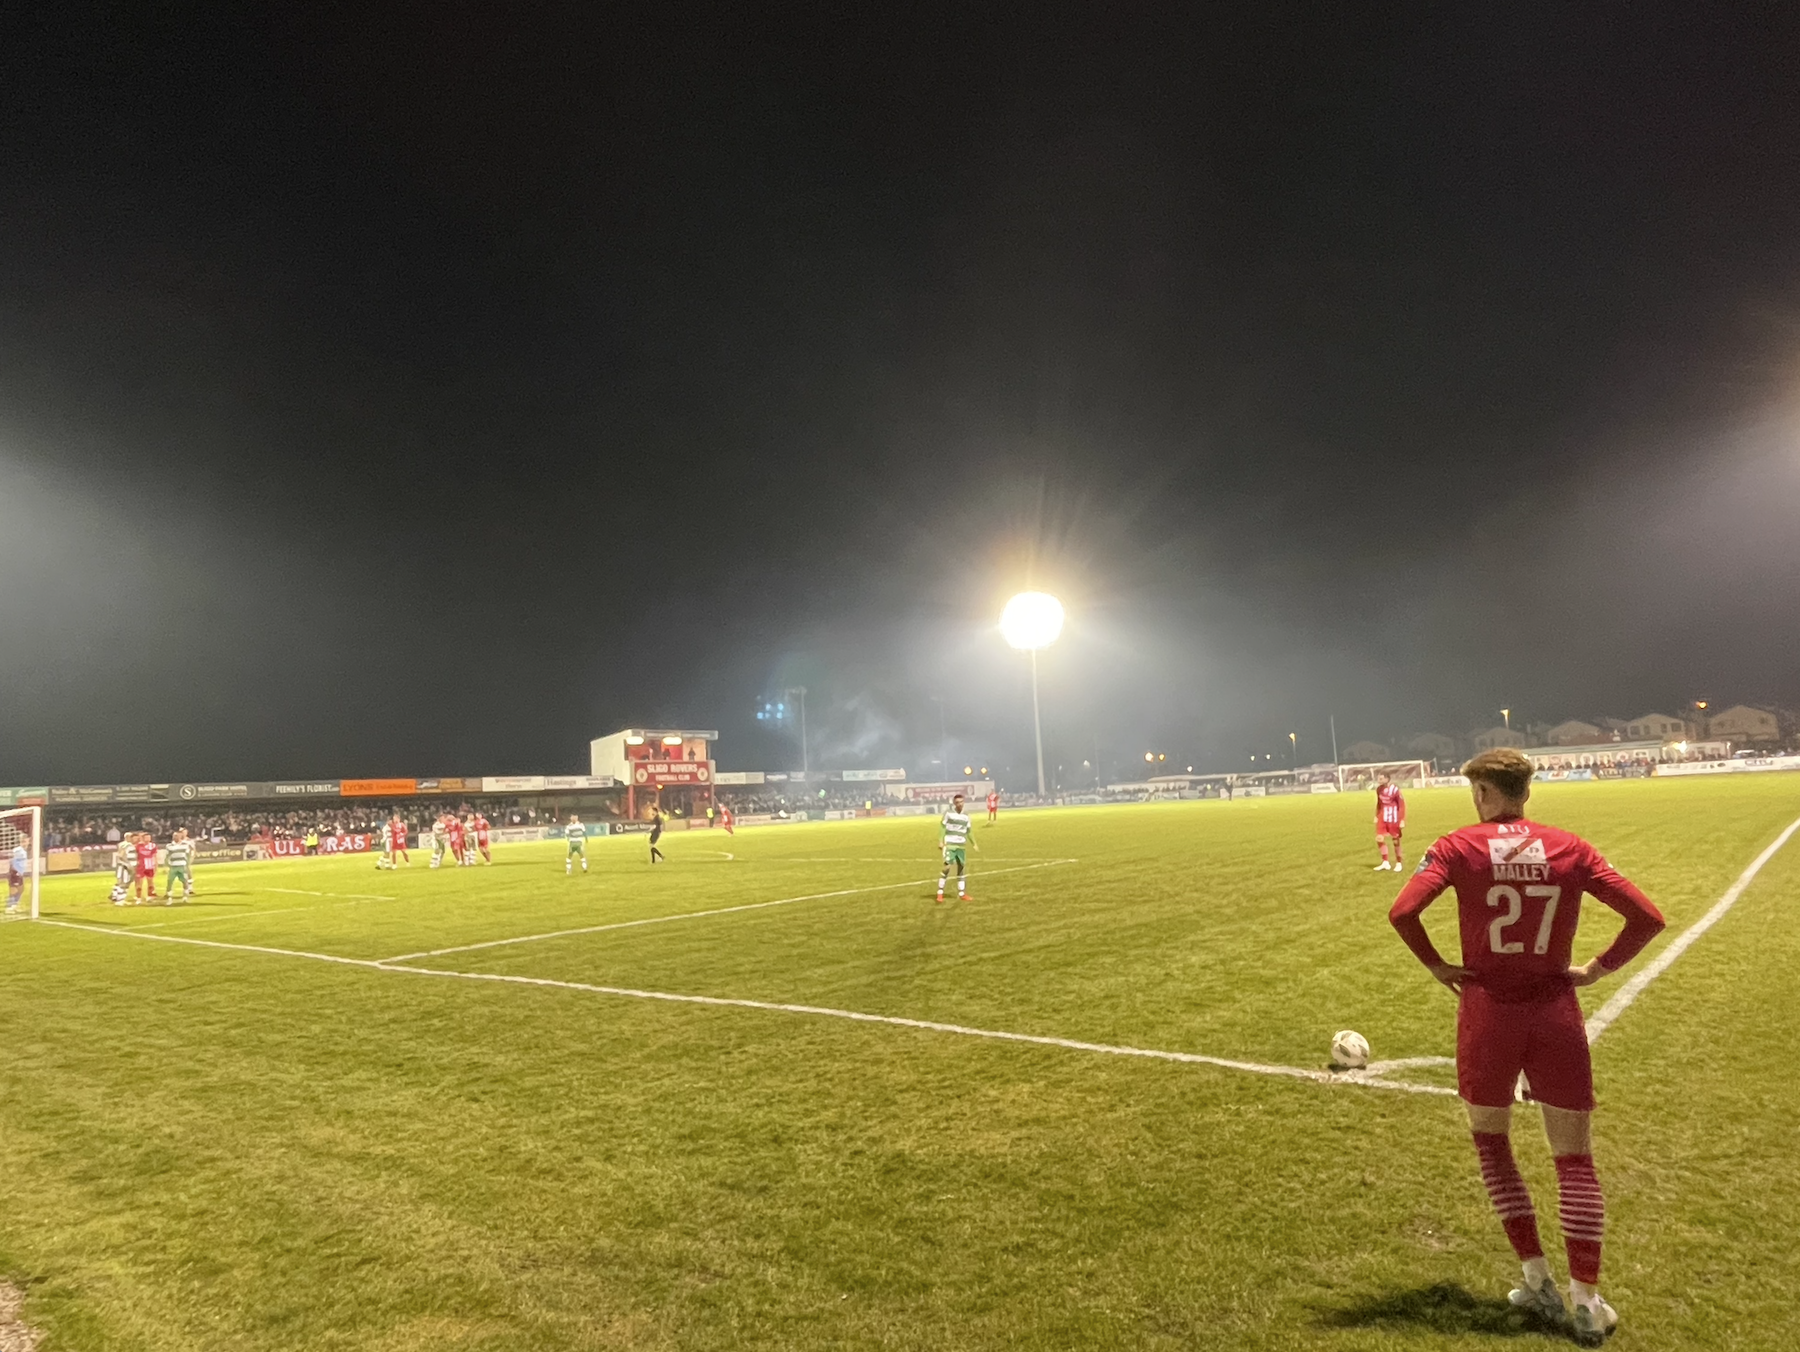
1032 620
1507 715
1294 750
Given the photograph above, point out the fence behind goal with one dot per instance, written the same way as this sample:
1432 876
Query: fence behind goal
22 847
1408 774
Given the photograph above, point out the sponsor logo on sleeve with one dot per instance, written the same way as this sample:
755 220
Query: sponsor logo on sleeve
1515 860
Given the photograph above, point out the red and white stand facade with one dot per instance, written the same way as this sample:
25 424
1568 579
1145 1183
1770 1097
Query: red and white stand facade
650 761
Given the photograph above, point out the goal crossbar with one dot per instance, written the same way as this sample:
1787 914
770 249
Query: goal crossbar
1402 772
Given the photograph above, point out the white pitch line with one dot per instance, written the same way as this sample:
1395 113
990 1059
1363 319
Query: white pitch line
700 915
137 933
348 896
1407 1063
909 859
1364 1078
1623 997
1367 1079
227 915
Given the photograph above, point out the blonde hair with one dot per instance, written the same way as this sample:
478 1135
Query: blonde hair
1506 768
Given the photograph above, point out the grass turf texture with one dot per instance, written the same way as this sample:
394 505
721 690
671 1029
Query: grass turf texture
213 1148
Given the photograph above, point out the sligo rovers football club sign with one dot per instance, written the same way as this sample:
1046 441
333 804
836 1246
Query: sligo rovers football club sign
655 773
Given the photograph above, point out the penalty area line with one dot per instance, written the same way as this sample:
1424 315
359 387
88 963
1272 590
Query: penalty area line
1623 998
700 915
1366 1079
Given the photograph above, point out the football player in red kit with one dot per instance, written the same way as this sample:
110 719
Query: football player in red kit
1390 819
144 885
993 807
1518 895
482 827
455 826
399 827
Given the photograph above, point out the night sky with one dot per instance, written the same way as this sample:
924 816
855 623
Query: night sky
429 393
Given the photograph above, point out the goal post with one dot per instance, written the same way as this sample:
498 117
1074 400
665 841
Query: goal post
1405 773
22 847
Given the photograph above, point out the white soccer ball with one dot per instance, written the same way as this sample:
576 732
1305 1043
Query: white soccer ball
1349 1050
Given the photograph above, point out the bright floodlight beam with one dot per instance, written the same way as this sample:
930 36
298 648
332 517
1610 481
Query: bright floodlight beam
1032 620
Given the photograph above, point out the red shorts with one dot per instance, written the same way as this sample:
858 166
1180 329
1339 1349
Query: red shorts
1388 829
1546 1039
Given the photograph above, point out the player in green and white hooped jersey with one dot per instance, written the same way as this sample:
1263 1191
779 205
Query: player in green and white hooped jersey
440 841
576 834
179 857
957 836
387 846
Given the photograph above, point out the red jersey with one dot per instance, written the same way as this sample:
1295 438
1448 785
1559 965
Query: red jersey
456 834
727 820
1518 894
481 829
993 802
1390 805
400 834
146 856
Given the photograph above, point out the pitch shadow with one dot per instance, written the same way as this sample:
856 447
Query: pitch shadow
1441 1308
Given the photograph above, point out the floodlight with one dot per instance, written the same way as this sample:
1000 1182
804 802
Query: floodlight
634 740
1031 620
672 740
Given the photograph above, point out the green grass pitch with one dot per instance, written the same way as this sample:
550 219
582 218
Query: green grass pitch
227 1147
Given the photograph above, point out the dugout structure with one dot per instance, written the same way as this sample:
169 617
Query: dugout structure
1408 774
662 766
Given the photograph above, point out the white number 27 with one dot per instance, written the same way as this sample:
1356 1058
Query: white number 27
1501 893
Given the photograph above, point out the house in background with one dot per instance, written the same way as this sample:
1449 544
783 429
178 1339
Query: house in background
1490 738
1431 746
1659 725
1744 725
1572 733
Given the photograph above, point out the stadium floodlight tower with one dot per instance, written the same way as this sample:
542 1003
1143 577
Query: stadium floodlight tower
1032 620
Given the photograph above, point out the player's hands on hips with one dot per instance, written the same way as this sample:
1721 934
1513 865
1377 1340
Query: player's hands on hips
1450 974
1588 973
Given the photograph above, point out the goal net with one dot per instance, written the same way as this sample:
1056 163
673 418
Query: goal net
22 849
1406 773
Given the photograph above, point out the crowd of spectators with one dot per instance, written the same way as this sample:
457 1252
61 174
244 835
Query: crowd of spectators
84 827
832 797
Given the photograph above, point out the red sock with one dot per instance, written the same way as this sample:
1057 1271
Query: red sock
1383 851
1583 1215
1506 1187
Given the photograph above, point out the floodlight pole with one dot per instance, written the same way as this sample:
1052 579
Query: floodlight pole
805 765
1037 724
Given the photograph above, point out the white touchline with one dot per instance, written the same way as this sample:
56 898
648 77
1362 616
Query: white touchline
701 915
1623 997
1367 1079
